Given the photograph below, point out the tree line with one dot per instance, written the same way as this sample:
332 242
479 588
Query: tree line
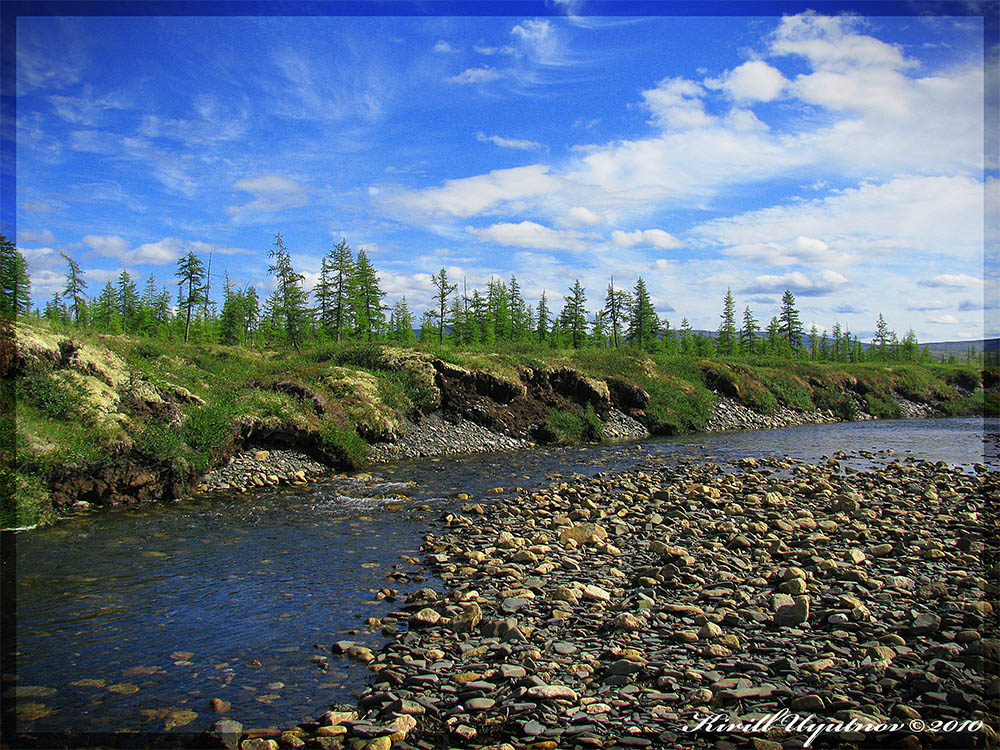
346 304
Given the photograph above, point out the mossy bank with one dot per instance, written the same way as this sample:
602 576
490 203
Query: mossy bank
106 420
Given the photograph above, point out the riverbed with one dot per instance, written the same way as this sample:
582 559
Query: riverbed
135 619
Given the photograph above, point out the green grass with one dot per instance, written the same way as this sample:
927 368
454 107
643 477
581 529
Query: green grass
575 426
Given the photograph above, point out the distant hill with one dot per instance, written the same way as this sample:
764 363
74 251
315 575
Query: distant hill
961 348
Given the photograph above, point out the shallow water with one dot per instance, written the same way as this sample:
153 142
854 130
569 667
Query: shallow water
154 611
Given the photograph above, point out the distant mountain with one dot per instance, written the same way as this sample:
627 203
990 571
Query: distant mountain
961 348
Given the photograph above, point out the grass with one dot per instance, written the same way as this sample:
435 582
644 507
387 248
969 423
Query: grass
342 392
576 426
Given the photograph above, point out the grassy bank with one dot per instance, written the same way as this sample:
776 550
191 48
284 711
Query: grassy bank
88 401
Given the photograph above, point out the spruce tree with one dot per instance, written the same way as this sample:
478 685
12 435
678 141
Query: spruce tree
444 290
231 322
520 313
543 320
15 284
401 323
749 331
727 343
686 335
790 323
105 314
75 284
340 262
574 315
127 299
190 271
643 323
288 303
366 300
616 308
880 343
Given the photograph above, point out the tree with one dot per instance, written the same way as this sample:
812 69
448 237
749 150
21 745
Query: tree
814 342
251 315
776 342
366 299
105 315
190 271
574 315
127 300
543 319
686 344
790 323
749 331
15 284
643 323
231 323
75 284
616 309
334 290
520 313
727 343
401 323
288 301
444 289
880 343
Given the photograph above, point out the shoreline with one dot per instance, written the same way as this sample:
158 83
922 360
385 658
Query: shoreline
622 609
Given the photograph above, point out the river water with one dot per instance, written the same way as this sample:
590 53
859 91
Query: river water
133 619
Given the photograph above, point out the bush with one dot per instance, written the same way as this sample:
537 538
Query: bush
582 426
365 356
207 427
344 444
24 501
883 407
676 407
833 398
790 391
59 398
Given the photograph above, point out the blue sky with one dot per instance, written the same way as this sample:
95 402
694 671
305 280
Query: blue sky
839 156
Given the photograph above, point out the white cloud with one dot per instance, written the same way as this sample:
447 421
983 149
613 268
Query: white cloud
540 40
676 104
477 75
826 282
504 50
502 188
935 215
654 237
832 43
272 193
35 236
531 235
443 46
523 145
754 81
582 215
952 281
946 319
106 246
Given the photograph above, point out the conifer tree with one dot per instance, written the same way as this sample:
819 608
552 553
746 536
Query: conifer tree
340 264
727 343
429 329
231 322
643 322
75 284
190 271
288 303
574 315
814 342
15 284
616 308
105 314
599 330
251 315
543 320
880 343
520 313
127 299
366 299
401 323
444 290
749 331
776 342
790 324
686 336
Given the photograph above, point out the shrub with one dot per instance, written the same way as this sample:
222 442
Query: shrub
790 391
59 398
676 407
365 356
572 426
883 407
344 444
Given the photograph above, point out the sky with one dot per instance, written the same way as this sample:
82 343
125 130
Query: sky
838 156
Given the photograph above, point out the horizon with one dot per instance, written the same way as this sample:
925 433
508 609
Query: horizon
841 157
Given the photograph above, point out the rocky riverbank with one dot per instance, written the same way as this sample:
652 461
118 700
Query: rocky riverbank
253 469
625 609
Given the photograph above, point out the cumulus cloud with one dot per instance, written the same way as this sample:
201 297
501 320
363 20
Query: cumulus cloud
952 281
469 196
106 246
654 237
531 235
443 46
582 215
826 282
676 104
754 81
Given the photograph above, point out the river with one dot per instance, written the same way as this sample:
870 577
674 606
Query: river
134 619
